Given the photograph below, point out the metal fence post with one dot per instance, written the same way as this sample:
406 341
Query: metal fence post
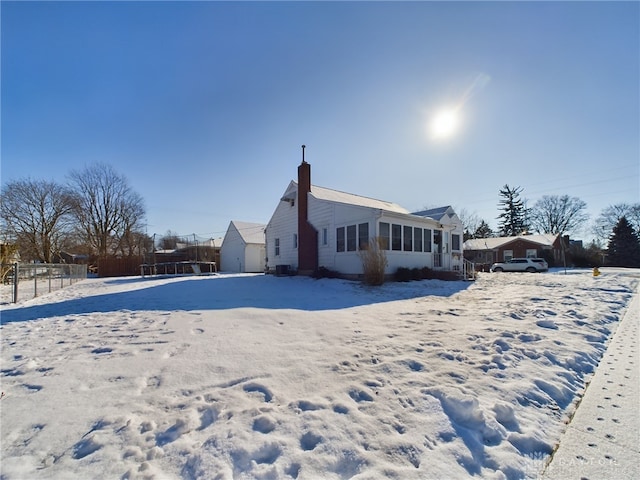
15 282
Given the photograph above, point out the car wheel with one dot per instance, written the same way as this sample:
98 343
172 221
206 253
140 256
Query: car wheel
531 270
497 269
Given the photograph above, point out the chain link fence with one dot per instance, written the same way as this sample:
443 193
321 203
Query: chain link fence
22 281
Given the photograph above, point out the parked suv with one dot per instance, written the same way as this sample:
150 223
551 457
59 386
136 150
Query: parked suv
521 265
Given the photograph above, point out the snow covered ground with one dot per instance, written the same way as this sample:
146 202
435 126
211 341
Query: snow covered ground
261 377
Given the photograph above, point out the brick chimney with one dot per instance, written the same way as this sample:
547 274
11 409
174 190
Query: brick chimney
307 234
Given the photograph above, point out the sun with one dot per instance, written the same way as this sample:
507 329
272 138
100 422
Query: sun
445 123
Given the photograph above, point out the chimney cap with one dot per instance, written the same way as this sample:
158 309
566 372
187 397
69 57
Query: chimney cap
303 147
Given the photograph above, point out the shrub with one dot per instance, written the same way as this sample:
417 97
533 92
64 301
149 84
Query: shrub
445 275
403 274
374 262
324 272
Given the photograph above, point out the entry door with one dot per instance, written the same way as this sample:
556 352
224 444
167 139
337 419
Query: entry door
437 255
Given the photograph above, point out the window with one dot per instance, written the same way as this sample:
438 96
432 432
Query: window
532 253
384 236
325 236
277 245
363 236
340 239
408 239
455 242
427 239
507 255
351 238
295 240
417 239
396 237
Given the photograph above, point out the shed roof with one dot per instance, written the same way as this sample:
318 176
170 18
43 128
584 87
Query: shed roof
250 232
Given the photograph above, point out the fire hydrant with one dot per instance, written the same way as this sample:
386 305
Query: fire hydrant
596 271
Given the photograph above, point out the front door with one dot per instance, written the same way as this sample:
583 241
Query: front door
437 249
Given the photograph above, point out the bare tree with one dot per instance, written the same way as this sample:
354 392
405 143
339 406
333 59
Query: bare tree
558 214
37 215
107 209
169 241
470 222
610 216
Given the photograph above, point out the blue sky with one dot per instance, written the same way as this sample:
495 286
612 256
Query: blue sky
203 106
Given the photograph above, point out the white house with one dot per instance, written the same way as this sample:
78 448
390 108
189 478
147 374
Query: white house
243 248
316 227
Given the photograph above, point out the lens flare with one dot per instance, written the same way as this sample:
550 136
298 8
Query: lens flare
445 123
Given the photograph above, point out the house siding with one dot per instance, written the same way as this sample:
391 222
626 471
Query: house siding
412 259
238 256
283 224
331 211
332 216
254 258
321 216
232 251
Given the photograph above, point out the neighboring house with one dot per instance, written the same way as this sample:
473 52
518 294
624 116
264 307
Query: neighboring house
243 248
315 227
66 257
485 251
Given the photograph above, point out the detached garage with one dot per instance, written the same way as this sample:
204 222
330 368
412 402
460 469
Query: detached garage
243 248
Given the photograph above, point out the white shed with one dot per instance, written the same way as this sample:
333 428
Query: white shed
243 248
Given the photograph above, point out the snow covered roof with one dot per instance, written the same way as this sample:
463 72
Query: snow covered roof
546 240
322 193
436 213
250 232
328 194
211 242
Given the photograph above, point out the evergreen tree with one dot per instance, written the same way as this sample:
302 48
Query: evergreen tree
513 219
624 247
483 231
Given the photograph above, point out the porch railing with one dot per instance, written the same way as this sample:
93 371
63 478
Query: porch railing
468 270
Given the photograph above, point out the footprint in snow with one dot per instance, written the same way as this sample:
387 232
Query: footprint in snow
85 447
306 406
260 389
309 441
172 433
360 396
264 424
101 350
208 417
